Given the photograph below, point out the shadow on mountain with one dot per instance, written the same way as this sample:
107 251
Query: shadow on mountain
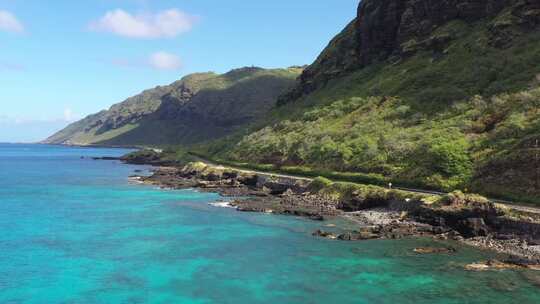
209 114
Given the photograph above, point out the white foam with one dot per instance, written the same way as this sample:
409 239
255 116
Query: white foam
222 205
135 179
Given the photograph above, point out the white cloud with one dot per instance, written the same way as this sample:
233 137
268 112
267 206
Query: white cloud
164 61
10 23
169 23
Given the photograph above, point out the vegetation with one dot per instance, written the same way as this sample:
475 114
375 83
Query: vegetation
196 108
381 137
344 192
143 156
465 116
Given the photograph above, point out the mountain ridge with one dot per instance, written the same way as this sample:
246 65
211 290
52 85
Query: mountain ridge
128 122
396 30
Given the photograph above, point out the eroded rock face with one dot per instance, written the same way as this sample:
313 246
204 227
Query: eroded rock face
386 29
471 227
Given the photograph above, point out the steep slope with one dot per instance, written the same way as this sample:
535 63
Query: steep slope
471 34
437 94
196 108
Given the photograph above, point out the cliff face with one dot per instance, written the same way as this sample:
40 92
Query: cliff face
392 30
197 108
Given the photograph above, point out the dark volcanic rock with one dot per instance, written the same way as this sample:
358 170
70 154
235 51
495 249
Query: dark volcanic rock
472 227
470 218
365 234
324 234
310 206
359 202
248 180
394 230
276 187
520 261
106 158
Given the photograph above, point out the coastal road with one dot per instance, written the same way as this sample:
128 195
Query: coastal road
501 203
498 202
249 171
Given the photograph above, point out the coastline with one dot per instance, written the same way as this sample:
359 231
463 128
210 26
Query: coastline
398 215
132 225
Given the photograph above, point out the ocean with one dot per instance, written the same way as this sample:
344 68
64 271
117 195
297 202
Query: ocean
74 230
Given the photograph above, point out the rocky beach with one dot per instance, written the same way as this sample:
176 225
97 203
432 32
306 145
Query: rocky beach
373 212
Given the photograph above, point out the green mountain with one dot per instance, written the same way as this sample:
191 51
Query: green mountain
433 94
196 108
436 94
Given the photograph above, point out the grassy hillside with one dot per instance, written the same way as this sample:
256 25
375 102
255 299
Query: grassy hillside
454 108
196 108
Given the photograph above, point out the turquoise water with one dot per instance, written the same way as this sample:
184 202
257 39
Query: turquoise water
75 231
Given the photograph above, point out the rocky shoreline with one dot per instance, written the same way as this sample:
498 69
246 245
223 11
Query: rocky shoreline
377 213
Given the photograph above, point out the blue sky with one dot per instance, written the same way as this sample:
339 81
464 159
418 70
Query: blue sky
61 60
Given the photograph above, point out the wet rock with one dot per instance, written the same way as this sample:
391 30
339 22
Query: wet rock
106 158
363 234
323 234
317 217
512 262
491 265
532 277
433 250
521 261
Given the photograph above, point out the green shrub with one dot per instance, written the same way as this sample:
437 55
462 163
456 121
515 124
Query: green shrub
319 184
